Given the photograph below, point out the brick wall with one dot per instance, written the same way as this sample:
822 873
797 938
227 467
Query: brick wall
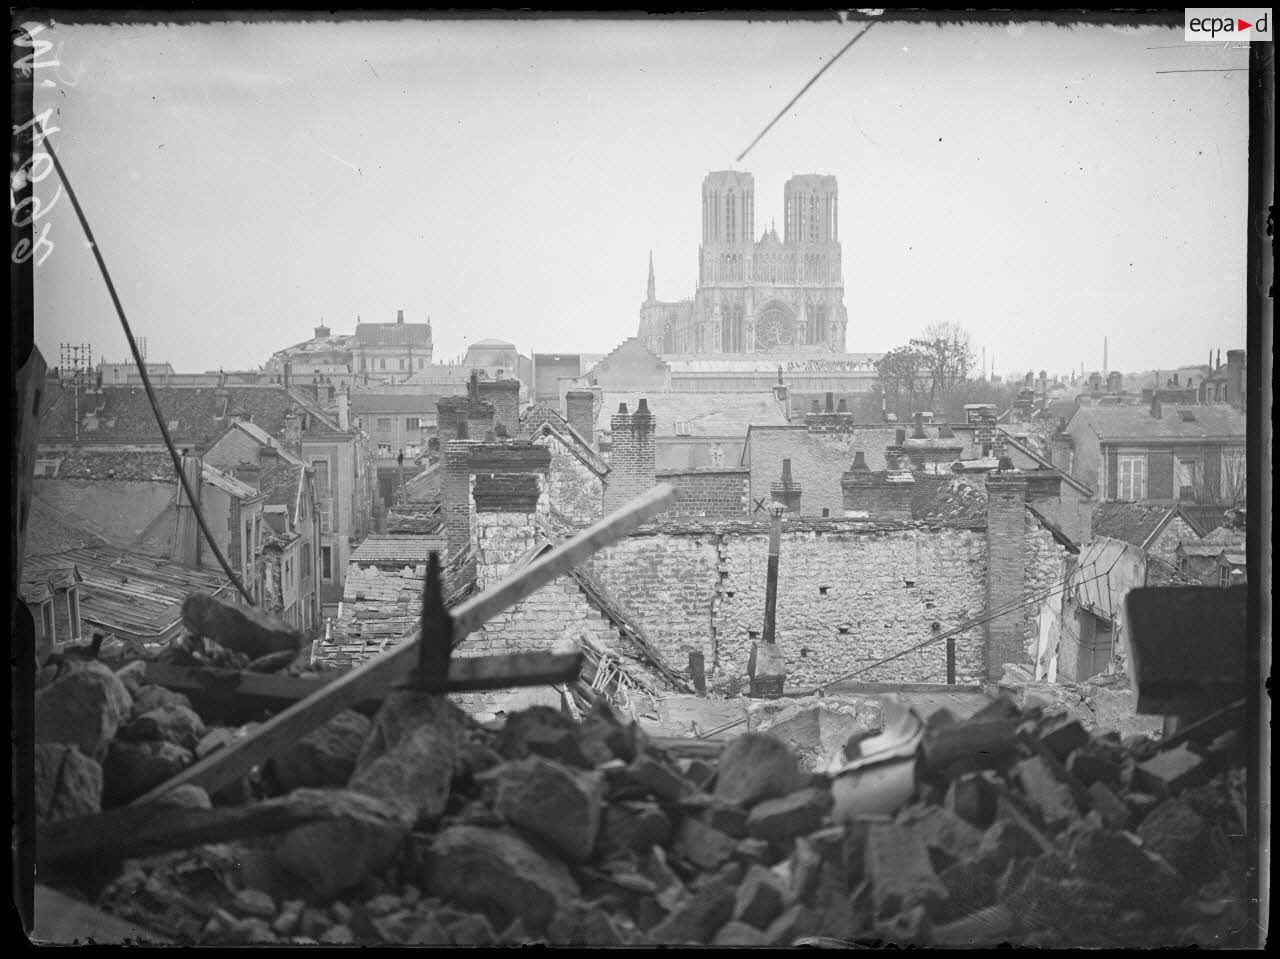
848 594
504 397
464 459
576 490
505 492
1166 545
632 465
479 415
709 493
881 496
1007 520
579 410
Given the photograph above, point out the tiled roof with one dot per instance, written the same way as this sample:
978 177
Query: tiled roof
1136 422
700 414
818 363
128 592
280 484
1206 518
410 549
1131 522
815 457
49 531
1202 549
392 334
79 463
427 486
194 415
942 497
402 518
411 403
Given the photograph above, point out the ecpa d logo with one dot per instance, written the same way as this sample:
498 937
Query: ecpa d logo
1227 23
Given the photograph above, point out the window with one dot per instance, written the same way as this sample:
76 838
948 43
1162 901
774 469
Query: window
412 423
384 449
384 424
364 364
419 364
402 362
46 617
326 562
306 560
73 611
1224 576
730 218
382 364
1188 479
1131 481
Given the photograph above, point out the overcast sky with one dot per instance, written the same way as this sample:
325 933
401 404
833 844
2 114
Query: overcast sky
1043 186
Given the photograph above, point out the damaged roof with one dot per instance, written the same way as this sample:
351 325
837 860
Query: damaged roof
1135 523
696 414
408 549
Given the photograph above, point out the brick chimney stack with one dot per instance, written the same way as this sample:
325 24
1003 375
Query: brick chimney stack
293 432
400 317
487 478
831 406
632 462
1006 569
504 396
579 410
882 496
918 432
787 491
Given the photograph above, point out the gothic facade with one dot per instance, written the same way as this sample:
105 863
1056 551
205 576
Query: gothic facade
776 295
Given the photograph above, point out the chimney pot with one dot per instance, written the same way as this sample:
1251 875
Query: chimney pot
831 402
816 407
399 316
622 409
843 406
860 463
899 437
945 432
1005 463
786 472
642 408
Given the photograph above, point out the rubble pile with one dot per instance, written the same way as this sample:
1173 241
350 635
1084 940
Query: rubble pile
1019 826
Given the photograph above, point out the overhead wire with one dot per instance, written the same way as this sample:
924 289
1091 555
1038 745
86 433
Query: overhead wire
146 380
812 80
1027 599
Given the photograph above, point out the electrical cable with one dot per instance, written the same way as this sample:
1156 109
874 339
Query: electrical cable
146 380
814 79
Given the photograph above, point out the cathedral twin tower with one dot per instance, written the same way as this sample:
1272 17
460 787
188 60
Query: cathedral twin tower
772 295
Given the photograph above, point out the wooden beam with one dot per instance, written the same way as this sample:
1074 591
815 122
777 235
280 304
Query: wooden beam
231 695
228 764
130 832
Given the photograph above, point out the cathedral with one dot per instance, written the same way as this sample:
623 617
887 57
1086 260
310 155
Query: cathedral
776 296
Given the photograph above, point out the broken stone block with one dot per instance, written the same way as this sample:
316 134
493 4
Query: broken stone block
943 830
752 851
699 772
973 798
900 871
1118 859
696 919
1050 796
757 766
188 796
359 838
245 629
132 769
970 885
791 815
729 819
739 934
324 757
133 676
658 778
544 731
788 927
1007 841
172 724
1184 838
472 930
583 924
83 708
760 898
499 874
908 926
557 804
67 783
1062 735
700 844
157 697
1174 769
986 927
412 752
632 827
1115 814
1091 766
254 902
338 935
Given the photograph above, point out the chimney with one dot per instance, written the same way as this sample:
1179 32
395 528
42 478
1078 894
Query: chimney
494 485
186 540
945 432
632 462
504 396
859 463
322 332
831 405
400 317
918 433
787 490
293 433
780 389
899 437
1156 411
248 473
1006 635
817 408
579 411
842 406
880 496
344 408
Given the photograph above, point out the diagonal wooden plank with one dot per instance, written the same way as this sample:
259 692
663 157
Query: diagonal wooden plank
372 678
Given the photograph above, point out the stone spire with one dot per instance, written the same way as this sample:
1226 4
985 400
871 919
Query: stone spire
651 294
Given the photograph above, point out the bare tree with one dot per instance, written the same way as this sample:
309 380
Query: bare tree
901 373
947 357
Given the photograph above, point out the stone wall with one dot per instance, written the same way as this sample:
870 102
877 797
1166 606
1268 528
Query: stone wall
709 493
1166 545
849 594
577 491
